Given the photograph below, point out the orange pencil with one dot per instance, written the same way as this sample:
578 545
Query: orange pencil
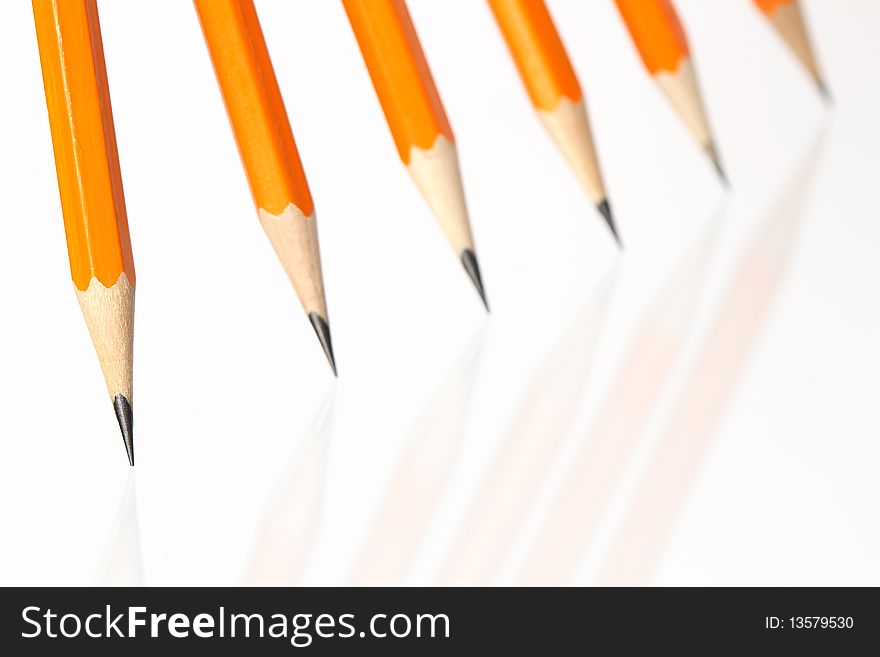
90 185
267 148
788 20
415 115
662 44
554 90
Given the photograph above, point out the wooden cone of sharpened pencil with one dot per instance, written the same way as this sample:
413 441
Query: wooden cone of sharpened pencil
90 184
554 90
415 114
268 151
788 21
662 44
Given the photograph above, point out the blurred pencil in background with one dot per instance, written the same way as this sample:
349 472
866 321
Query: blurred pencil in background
268 151
90 185
554 90
415 115
662 44
788 20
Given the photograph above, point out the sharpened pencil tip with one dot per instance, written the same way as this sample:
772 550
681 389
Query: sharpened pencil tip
126 424
469 261
712 152
824 91
721 174
322 330
605 210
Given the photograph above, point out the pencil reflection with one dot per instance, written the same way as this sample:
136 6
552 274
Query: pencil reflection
419 478
640 539
546 410
121 564
623 415
287 530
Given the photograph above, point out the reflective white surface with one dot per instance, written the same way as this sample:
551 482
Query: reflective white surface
700 409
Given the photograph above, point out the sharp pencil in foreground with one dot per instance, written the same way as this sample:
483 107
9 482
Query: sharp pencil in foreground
90 184
554 90
788 21
268 151
415 114
662 44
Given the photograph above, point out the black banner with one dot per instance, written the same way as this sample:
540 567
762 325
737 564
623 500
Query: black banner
435 621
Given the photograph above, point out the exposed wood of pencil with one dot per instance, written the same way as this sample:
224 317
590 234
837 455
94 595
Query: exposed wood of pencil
662 44
267 147
552 85
788 20
415 115
90 185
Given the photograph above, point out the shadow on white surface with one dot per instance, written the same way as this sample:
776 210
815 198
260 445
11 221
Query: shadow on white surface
608 444
545 412
420 478
639 542
286 533
122 564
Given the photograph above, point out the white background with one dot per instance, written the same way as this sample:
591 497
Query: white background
700 409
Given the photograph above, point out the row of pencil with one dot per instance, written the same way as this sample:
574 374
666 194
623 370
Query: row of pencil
90 181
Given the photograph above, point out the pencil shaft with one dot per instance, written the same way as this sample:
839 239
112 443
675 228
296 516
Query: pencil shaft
537 51
656 32
400 73
253 101
84 141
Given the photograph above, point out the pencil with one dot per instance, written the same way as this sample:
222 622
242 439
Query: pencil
662 44
554 90
90 186
416 118
788 20
268 151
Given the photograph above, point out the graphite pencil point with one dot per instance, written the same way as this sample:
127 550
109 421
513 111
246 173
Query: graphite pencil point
712 152
721 174
605 210
126 424
469 261
322 330
824 91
